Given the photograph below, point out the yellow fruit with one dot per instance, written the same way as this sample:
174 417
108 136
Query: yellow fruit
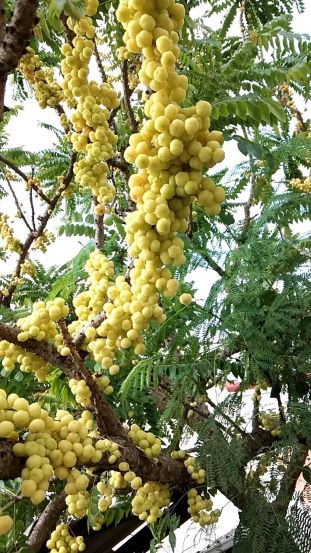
6 427
37 425
6 523
185 299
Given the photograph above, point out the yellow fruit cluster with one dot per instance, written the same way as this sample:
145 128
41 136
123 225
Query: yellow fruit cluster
149 500
81 391
47 90
78 504
179 454
76 482
44 240
146 441
6 523
105 499
171 150
117 480
257 394
28 268
111 450
90 122
271 423
29 362
127 314
198 507
103 381
194 470
89 303
302 185
41 323
50 447
16 414
62 542
9 242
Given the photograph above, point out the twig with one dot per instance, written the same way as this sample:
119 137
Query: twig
99 226
255 415
99 62
228 419
281 409
18 204
126 98
23 175
69 34
6 300
247 210
212 263
32 209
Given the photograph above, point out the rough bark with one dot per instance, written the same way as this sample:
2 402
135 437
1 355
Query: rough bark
95 323
166 470
15 39
10 466
46 522
127 95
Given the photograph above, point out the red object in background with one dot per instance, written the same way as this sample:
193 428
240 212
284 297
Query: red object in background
232 386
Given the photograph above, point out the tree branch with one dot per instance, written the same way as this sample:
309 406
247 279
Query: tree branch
247 211
79 337
23 175
10 466
106 420
17 204
99 226
17 33
126 98
227 418
99 62
32 208
206 256
46 522
6 300
118 163
255 415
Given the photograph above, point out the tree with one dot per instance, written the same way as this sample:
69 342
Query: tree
107 361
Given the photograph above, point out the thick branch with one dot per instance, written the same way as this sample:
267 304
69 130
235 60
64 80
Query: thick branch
99 226
118 163
95 323
46 522
72 368
126 98
10 466
107 422
15 40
